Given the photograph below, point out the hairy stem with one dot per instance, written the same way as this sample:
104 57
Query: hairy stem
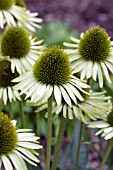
59 142
49 133
108 150
79 146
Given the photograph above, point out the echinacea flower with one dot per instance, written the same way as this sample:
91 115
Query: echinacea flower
92 54
105 124
51 74
7 93
17 145
33 21
10 12
94 105
22 49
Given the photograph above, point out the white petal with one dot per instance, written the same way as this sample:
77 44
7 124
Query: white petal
106 72
99 124
95 69
65 96
17 161
28 154
57 94
100 76
7 163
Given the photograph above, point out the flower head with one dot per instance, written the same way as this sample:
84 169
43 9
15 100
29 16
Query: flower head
51 73
20 3
105 124
6 86
52 67
22 49
10 12
16 145
94 105
14 12
6 5
92 54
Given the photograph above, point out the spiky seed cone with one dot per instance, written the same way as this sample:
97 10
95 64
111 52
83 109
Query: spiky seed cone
8 135
52 67
6 4
95 45
6 74
15 42
21 3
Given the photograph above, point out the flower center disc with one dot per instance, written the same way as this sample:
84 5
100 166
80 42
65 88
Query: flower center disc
52 67
21 3
15 43
6 4
6 75
95 45
8 135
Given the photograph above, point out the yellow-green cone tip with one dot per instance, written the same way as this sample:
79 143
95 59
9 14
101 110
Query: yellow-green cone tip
95 45
15 42
6 75
6 4
8 135
21 3
52 67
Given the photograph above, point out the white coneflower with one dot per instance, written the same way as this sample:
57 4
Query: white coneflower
22 49
105 124
94 105
17 145
7 93
9 11
33 21
51 73
92 54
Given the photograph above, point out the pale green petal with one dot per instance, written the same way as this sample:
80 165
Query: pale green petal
70 113
109 136
74 39
106 72
65 111
99 124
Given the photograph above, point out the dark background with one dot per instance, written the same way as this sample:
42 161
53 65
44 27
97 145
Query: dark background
82 14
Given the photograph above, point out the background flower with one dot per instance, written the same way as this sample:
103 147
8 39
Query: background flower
16 145
92 54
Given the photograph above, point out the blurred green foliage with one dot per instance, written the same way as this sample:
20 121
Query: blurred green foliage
56 32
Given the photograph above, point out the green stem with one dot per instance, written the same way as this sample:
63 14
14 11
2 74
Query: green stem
106 154
59 142
49 130
21 113
79 146
10 110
